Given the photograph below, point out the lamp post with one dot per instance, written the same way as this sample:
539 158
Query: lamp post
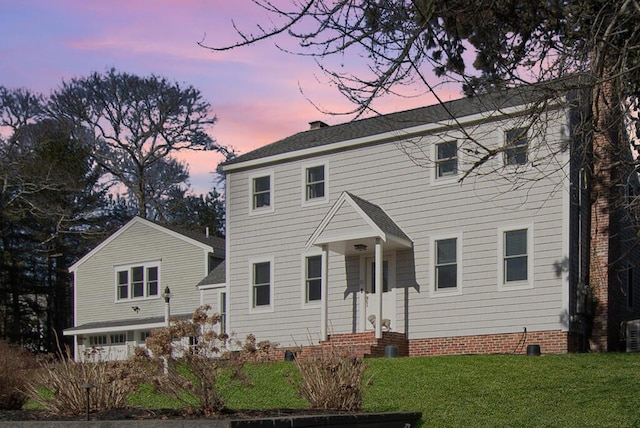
167 314
167 305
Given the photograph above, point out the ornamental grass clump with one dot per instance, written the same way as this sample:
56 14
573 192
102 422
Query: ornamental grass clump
195 359
61 386
15 364
331 379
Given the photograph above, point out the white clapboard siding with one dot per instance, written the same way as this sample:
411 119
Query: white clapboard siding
385 175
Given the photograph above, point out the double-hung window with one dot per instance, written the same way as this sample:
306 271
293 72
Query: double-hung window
446 159
516 147
313 279
446 264
315 183
261 286
261 193
137 281
515 256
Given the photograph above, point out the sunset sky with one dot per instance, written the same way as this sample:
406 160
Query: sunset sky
258 93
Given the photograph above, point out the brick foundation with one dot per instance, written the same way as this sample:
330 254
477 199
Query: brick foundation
365 344
551 342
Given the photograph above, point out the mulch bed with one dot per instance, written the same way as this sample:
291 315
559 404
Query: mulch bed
161 414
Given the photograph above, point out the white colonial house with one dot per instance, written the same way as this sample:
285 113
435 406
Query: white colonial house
466 227
119 287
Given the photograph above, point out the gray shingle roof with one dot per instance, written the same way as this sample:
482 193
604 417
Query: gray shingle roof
495 101
125 322
216 276
379 217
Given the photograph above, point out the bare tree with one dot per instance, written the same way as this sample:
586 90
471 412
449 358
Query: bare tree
138 123
515 42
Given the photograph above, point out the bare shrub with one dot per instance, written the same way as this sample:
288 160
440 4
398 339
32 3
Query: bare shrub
15 363
258 352
331 379
196 359
59 386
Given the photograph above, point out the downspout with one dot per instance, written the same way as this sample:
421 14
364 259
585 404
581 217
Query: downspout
324 294
378 285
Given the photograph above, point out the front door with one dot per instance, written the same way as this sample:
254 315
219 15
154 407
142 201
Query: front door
371 298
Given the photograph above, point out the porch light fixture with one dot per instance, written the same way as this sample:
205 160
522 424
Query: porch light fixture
360 247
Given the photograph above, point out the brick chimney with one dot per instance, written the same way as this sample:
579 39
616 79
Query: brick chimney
317 124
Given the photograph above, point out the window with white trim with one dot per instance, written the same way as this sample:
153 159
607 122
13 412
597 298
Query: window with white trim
118 339
144 335
313 279
446 264
516 147
515 256
315 183
98 340
261 285
446 159
223 312
138 281
261 190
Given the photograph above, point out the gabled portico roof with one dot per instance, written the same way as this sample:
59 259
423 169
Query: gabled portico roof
353 224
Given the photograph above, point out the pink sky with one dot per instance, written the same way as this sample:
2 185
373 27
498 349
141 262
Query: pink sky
255 92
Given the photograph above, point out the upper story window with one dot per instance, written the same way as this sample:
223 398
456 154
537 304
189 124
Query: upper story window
314 183
137 281
446 264
516 147
262 192
313 279
446 159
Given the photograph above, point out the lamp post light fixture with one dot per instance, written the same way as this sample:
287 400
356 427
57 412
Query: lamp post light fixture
167 305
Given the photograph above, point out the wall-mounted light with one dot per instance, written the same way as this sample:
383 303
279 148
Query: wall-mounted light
360 247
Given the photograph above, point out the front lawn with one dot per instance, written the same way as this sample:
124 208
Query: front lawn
579 390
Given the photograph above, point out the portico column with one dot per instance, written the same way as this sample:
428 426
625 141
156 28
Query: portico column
378 285
324 293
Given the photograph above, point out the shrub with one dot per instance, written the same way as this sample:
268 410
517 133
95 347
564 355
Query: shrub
59 386
15 363
331 379
258 352
195 358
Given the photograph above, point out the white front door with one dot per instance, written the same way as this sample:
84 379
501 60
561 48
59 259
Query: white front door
371 298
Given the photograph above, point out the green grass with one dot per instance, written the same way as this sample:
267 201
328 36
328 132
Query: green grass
580 390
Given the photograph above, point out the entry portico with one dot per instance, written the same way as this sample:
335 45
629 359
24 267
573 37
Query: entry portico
356 227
